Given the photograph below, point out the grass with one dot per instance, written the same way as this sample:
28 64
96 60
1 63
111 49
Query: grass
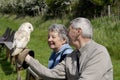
106 32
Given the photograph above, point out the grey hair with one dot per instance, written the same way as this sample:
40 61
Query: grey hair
61 30
84 24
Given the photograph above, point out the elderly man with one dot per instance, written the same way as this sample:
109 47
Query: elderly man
89 61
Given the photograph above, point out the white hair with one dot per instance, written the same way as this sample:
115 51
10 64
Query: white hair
61 29
85 26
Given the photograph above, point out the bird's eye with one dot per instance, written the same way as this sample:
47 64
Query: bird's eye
29 27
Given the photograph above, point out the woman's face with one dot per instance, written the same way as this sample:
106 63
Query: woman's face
54 41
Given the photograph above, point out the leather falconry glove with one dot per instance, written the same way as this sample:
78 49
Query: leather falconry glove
20 58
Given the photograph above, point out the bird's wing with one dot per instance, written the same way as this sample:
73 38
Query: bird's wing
21 39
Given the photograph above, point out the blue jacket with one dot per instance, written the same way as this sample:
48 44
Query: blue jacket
57 57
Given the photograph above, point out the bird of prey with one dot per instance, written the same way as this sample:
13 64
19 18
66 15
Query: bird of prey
21 38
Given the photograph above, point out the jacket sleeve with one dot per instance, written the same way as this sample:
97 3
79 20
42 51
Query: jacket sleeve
57 73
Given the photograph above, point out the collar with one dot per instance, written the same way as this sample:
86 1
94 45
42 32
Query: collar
86 46
62 48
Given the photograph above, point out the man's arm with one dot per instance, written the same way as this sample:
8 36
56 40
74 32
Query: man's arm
57 73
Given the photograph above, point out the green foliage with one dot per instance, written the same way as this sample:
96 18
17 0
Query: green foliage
106 32
98 2
24 7
116 67
58 8
85 8
102 2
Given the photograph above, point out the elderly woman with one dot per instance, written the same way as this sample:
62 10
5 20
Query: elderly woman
58 42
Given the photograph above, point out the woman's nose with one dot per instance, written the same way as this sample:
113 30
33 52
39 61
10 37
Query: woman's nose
49 39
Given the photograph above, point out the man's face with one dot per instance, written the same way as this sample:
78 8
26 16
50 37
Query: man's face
54 40
72 34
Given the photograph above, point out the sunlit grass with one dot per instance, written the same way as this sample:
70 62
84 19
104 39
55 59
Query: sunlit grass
106 32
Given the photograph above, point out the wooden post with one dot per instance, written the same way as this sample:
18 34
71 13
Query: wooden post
109 10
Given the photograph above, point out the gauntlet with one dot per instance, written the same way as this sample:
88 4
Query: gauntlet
20 58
